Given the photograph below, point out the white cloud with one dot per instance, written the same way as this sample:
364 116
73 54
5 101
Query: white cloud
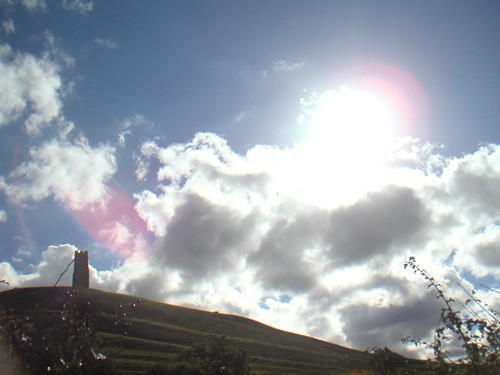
240 233
80 6
244 226
108 43
122 239
74 174
480 253
30 86
474 180
128 125
53 265
242 116
3 216
53 52
285 66
34 5
8 27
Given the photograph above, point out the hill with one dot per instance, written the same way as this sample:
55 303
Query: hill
155 333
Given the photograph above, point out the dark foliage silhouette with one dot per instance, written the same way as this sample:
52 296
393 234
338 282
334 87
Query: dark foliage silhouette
53 342
212 358
474 328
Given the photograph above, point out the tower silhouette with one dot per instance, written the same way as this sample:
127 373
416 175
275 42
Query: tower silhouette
81 269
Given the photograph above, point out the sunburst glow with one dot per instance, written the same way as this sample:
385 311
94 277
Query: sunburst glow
351 123
351 133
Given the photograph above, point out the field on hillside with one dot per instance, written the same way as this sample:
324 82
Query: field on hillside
150 333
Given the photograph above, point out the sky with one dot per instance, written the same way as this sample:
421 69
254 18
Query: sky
278 160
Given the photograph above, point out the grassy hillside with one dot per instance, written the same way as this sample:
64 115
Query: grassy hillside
157 332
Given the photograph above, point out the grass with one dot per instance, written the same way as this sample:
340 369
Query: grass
159 331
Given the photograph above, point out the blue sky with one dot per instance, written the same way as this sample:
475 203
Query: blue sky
233 156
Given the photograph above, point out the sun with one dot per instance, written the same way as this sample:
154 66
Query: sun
351 123
351 136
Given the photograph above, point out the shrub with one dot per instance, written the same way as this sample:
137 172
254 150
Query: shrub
476 329
385 361
62 342
212 358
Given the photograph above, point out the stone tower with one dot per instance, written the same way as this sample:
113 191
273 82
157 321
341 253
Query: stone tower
81 270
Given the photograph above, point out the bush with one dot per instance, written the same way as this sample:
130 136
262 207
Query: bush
212 358
385 361
62 342
477 331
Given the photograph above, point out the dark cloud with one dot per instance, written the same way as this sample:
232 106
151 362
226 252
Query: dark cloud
372 326
148 286
279 261
203 238
307 237
376 225
240 234
489 255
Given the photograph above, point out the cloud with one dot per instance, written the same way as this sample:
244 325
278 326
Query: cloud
74 174
242 116
79 6
215 249
370 326
53 264
474 180
122 237
286 243
107 43
242 225
82 7
30 87
117 226
127 126
3 216
8 27
284 66
54 52
382 222
239 233
480 253
34 5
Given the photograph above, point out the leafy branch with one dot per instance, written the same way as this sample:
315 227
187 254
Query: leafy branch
64 341
478 331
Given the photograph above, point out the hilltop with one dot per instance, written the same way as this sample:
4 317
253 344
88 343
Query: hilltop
156 332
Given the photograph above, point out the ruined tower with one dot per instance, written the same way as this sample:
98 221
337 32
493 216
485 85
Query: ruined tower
81 269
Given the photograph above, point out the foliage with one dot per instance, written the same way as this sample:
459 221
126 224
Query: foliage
476 330
158 331
385 361
62 342
212 358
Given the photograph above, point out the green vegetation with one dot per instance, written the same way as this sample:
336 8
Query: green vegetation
52 342
386 362
86 331
476 330
212 358
139 335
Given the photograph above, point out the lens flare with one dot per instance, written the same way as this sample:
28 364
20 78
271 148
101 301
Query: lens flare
117 226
